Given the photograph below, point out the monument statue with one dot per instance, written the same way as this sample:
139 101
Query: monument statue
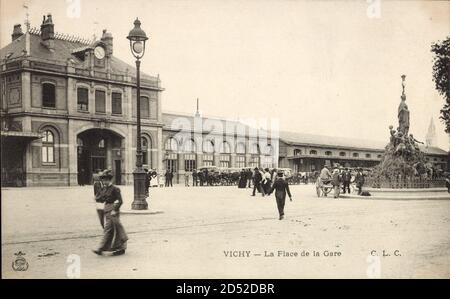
402 156
403 112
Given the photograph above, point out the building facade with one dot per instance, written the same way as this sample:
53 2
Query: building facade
309 153
68 110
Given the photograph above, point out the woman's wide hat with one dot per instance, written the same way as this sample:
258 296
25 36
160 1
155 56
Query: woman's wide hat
106 174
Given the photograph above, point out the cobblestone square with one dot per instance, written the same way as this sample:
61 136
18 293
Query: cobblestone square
223 232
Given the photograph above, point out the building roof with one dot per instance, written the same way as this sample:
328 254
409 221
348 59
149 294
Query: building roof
345 143
65 48
176 121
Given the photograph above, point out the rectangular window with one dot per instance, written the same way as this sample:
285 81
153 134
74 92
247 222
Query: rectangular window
171 165
48 95
145 107
208 160
254 161
116 103
100 100
225 164
82 99
240 161
224 161
189 162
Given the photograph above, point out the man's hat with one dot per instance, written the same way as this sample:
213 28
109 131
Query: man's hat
106 174
256 168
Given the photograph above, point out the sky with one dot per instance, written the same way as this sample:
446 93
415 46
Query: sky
320 67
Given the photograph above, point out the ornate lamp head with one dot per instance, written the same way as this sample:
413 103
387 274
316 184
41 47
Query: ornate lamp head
137 39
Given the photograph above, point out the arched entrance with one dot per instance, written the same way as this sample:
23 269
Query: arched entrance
99 149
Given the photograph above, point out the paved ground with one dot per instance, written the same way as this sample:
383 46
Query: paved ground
199 225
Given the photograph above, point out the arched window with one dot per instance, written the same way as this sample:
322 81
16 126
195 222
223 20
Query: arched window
80 142
368 156
254 148
240 148
342 154
355 155
171 144
208 146
297 152
269 149
225 148
48 95
48 147
313 152
328 153
189 146
379 156
101 143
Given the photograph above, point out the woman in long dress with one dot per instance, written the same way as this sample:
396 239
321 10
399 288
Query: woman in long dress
242 179
114 236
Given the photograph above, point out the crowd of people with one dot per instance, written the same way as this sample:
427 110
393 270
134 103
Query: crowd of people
341 178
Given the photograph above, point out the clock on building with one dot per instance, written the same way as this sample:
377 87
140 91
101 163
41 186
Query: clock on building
99 52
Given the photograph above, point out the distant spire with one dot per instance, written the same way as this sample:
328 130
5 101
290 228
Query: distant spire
430 139
197 114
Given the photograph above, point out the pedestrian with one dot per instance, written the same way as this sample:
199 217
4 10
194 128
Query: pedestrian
242 179
281 187
166 176
336 182
171 178
98 186
324 177
194 178
186 179
359 180
346 179
257 178
249 177
147 181
267 180
201 177
114 236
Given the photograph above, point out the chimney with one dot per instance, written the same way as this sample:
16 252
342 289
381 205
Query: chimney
17 32
108 40
48 32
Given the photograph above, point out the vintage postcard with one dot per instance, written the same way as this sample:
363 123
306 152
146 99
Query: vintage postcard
225 139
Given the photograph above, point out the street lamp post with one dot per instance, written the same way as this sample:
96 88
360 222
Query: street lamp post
137 39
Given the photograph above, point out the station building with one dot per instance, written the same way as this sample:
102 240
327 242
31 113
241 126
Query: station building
68 109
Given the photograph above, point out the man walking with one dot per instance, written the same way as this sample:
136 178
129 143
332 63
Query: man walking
281 187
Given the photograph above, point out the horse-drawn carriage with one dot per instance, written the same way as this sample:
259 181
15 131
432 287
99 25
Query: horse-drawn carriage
323 187
221 176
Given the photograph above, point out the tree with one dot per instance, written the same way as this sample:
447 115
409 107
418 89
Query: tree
441 76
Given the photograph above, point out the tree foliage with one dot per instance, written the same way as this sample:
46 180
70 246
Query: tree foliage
441 76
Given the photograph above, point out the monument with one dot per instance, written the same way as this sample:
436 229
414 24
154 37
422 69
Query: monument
403 164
